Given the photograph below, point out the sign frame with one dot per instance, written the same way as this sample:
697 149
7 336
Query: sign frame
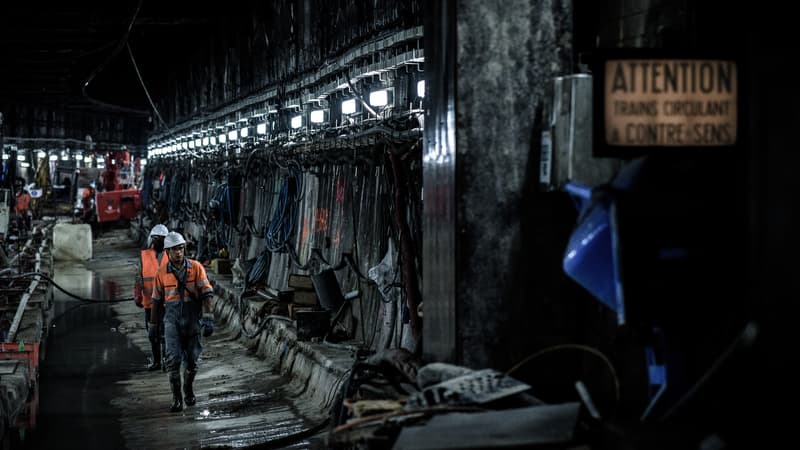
597 64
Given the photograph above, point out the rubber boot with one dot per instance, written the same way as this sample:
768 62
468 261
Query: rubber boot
177 401
156 364
188 380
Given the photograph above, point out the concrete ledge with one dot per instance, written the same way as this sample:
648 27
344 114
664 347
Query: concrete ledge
317 370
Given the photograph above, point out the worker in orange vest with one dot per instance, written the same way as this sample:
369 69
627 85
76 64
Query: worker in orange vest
23 202
23 206
87 200
151 261
183 291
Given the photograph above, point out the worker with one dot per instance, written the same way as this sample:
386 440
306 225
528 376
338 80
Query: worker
184 292
23 201
23 207
151 261
87 200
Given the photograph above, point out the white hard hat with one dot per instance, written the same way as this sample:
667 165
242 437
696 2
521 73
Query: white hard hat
159 230
173 239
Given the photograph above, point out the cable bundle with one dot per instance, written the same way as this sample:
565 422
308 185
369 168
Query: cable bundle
284 218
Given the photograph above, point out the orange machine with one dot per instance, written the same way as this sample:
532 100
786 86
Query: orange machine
119 199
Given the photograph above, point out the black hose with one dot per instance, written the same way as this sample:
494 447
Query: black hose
77 297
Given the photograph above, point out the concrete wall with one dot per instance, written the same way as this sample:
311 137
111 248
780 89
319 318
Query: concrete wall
506 55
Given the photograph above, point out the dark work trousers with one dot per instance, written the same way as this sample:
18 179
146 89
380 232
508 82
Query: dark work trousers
154 343
182 333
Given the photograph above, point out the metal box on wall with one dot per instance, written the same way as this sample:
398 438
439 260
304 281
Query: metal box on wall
567 141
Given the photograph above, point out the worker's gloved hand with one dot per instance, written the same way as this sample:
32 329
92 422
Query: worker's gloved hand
137 294
207 326
152 332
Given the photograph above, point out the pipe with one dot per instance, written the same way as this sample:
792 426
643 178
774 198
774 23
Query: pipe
23 302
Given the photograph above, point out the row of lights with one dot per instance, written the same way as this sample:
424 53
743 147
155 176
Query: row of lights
380 98
200 139
78 156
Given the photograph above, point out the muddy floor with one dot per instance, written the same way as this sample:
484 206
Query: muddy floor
97 394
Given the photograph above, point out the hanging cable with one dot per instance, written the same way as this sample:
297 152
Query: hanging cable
141 81
102 66
585 348
281 227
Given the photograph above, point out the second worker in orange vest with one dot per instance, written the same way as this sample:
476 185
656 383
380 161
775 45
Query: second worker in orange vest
152 259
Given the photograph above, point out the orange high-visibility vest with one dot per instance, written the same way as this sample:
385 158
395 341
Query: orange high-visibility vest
150 267
23 202
166 286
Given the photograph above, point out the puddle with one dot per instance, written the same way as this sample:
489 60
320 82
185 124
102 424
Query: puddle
84 283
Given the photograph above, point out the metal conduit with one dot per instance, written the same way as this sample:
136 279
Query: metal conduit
23 302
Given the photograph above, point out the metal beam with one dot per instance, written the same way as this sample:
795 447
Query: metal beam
23 301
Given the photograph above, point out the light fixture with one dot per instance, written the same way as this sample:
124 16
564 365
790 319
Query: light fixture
143 162
78 156
261 128
421 88
20 157
5 155
25 165
297 122
349 106
41 154
379 97
191 144
205 141
197 142
53 157
87 159
233 135
317 116
213 140
221 138
244 131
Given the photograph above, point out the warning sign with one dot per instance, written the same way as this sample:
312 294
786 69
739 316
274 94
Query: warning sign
670 102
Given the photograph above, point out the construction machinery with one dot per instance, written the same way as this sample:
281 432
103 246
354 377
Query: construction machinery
117 196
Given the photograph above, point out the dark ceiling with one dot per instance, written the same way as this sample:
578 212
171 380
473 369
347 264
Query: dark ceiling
49 52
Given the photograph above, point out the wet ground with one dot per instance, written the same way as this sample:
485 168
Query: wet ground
96 393
86 359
